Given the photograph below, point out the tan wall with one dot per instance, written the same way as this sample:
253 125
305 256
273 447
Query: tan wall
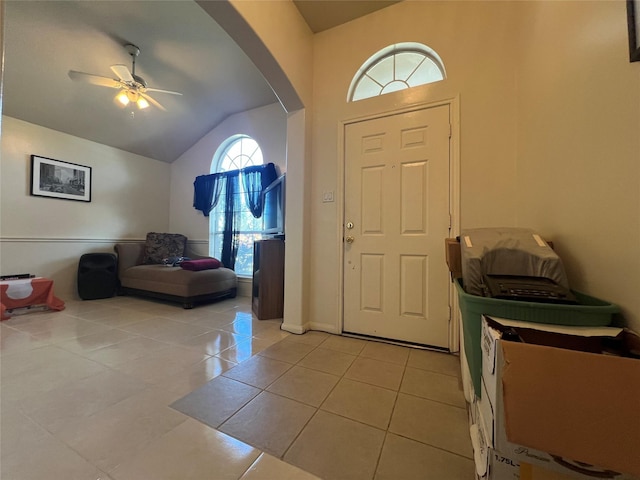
47 236
579 143
474 39
285 34
276 38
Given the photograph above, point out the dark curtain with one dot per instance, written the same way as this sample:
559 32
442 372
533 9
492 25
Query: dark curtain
207 193
231 234
256 179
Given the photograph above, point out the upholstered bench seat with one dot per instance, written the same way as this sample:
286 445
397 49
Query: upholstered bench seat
171 283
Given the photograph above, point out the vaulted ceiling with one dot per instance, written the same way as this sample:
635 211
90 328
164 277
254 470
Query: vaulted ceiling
181 49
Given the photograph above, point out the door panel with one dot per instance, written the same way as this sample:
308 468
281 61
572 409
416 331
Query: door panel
372 283
396 283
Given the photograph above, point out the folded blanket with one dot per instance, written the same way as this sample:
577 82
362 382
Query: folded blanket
201 264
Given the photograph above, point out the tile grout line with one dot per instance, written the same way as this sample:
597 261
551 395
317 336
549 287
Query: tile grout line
317 408
393 409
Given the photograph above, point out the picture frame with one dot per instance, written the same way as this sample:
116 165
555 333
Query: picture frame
57 179
633 22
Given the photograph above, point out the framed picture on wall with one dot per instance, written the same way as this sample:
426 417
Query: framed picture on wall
56 179
633 21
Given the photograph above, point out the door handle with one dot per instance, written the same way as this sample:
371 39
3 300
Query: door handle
349 239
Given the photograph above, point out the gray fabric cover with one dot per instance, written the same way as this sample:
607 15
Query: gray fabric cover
169 280
506 251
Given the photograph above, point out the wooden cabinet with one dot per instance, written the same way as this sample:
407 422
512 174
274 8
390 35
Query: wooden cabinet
268 278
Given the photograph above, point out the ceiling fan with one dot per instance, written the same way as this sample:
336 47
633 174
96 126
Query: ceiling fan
133 88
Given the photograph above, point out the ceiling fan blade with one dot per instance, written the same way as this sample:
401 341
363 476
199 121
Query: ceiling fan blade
122 72
152 101
162 91
94 79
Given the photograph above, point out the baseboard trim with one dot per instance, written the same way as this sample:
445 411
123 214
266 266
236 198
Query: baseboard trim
325 327
291 328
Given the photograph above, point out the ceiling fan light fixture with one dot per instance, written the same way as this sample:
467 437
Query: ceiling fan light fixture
123 98
142 103
132 87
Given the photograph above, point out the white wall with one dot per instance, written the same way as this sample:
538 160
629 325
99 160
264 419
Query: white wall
267 125
475 41
44 236
579 143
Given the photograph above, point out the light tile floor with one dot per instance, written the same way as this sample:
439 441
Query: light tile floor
100 391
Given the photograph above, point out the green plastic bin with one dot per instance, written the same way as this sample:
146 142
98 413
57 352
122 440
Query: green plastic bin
589 312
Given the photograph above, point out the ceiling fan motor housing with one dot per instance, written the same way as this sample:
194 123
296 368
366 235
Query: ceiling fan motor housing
132 50
138 79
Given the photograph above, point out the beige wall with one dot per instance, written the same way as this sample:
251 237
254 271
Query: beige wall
474 39
267 125
47 236
579 143
549 111
276 38
288 38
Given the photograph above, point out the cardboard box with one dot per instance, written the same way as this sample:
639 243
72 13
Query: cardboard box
490 464
545 405
453 257
465 374
535 472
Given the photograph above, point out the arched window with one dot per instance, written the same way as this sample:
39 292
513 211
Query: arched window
396 67
238 151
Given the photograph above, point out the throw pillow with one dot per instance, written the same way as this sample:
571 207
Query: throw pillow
163 245
201 264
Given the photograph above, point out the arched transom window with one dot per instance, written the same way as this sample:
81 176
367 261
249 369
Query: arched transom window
396 67
237 152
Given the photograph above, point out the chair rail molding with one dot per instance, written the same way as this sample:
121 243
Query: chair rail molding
69 240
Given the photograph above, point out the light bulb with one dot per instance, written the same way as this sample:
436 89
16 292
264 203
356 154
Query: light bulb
123 98
142 103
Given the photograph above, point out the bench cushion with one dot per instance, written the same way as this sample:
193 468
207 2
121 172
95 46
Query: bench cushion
177 281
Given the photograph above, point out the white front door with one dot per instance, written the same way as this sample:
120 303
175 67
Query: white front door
396 282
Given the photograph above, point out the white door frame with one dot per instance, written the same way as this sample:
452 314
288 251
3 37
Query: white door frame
454 199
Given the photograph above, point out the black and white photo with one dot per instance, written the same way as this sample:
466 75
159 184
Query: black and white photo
58 179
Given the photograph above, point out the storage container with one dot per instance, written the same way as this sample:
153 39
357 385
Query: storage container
590 311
